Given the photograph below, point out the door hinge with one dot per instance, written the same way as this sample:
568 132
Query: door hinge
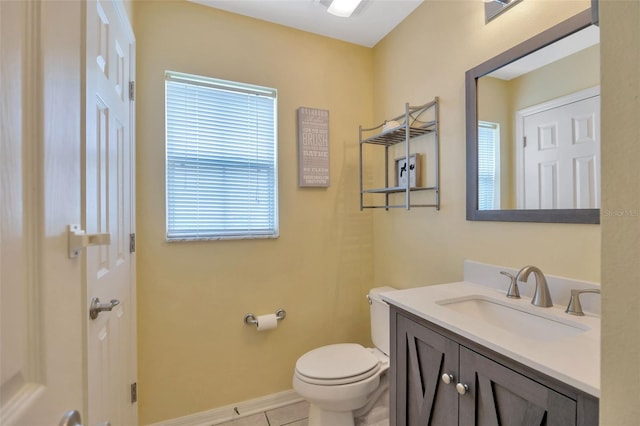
132 90
524 141
132 243
134 393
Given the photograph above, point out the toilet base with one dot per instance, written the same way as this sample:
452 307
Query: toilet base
320 417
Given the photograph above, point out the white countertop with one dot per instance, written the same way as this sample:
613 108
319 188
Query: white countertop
574 360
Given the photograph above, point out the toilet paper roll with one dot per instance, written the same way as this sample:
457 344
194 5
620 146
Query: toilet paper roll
267 322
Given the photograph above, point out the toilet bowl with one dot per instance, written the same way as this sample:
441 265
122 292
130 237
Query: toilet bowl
338 380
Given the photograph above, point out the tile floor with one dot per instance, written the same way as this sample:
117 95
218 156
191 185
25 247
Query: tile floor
289 415
297 414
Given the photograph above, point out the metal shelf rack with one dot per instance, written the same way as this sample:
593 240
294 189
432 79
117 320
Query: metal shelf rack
411 126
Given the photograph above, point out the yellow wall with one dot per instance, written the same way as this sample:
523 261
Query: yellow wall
574 73
195 353
494 106
620 373
428 55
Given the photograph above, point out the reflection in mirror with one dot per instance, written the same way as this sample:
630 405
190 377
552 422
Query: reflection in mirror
533 129
538 128
495 8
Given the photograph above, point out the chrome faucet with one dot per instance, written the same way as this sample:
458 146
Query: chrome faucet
541 296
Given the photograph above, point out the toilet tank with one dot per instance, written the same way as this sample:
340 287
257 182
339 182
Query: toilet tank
379 313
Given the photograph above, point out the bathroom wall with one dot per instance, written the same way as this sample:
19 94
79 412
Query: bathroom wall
577 72
620 372
494 106
428 55
570 250
195 353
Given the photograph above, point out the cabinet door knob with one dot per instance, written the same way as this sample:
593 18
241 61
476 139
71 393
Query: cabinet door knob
447 378
462 388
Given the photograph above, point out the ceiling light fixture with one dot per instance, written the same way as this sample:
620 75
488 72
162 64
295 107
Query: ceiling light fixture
494 8
343 8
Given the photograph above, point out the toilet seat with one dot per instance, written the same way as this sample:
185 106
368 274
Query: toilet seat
338 364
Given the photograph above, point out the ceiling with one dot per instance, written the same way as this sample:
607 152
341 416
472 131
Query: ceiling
371 21
562 48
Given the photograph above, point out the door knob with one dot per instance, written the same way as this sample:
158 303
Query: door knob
71 418
97 307
447 378
462 388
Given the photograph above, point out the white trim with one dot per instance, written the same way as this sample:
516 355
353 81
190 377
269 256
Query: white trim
523 113
228 412
20 402
31 385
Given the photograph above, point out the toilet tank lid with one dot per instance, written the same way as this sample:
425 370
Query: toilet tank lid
374 293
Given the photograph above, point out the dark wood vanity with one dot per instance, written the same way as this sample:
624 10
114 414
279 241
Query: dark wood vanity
484 387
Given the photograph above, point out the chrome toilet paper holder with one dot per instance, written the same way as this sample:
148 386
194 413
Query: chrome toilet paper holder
251 319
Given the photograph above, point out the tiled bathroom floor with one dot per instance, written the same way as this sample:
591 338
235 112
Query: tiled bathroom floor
289 415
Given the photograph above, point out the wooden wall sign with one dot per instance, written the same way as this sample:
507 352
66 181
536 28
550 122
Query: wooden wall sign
313 147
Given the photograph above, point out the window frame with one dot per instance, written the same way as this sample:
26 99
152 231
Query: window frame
270 232
496 189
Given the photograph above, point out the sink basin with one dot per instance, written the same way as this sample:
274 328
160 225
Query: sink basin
512 318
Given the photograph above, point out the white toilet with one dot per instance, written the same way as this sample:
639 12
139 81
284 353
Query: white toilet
346 379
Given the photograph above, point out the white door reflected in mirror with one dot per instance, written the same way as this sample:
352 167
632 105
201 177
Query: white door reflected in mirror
558 160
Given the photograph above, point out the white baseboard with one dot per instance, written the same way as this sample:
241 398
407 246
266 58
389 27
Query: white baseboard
235 411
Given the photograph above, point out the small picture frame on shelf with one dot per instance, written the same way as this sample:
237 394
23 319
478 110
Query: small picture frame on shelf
410 171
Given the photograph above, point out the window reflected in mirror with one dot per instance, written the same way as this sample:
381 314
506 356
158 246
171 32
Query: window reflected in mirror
489 183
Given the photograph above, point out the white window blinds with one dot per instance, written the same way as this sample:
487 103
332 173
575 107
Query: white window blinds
488 166
221 159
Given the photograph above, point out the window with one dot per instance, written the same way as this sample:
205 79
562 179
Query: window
221 159
488 166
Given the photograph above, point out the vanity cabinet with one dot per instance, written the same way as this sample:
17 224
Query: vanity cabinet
405 171
484 388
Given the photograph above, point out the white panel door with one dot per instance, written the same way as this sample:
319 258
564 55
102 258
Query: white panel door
41 294
108 208
561 157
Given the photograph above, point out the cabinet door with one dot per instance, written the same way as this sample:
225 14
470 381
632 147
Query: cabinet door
422 357
500 396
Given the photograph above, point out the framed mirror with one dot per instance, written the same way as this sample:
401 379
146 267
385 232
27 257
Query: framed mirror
532 125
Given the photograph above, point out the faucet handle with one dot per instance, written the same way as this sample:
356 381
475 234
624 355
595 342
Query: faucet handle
575 307
513 292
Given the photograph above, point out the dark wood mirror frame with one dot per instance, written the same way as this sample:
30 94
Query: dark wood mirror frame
553 34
